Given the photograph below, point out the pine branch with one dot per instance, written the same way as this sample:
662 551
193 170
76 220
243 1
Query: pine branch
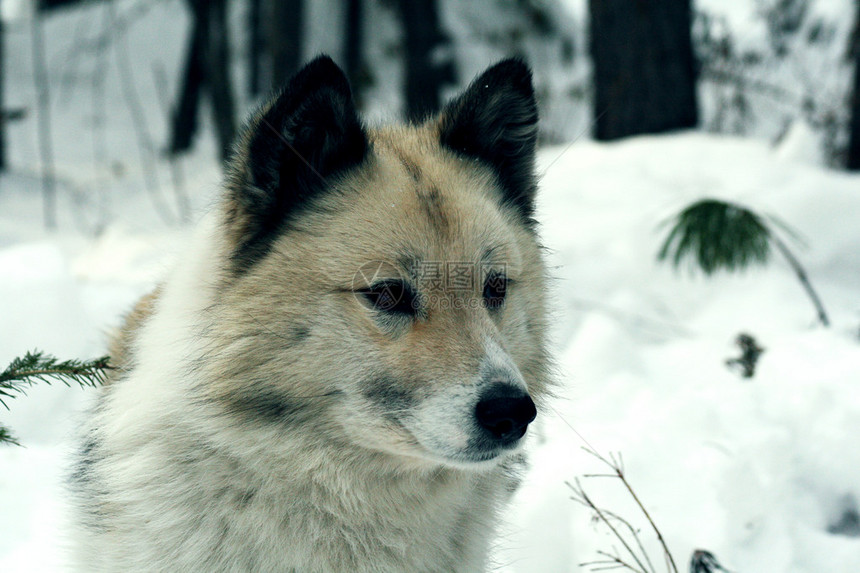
6 437
717 235
24 372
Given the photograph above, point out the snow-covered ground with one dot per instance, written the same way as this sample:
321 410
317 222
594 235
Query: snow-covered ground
757 471
764 473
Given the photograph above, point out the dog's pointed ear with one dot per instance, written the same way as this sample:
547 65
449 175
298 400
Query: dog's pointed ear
496 120
292 149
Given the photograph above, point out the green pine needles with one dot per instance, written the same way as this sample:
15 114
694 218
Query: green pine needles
717 235
35 367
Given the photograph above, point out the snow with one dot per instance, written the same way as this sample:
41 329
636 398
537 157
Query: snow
760 472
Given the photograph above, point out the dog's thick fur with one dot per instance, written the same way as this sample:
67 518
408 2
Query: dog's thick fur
277 408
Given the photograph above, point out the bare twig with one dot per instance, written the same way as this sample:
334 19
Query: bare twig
635 534
99 103
580 496
177 176
802 277
619 471
144 140
622 529
43 117
83 45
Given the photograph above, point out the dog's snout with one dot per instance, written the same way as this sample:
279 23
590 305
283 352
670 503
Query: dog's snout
505 412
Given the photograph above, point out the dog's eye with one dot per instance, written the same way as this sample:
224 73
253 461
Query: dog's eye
392 296
495 290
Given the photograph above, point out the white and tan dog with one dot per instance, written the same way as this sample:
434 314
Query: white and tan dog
339 374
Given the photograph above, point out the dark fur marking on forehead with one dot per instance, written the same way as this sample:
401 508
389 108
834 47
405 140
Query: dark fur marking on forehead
432 204
410 166
428 193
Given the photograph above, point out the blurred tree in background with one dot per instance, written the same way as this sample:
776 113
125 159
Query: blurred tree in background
852 160
614 68
2 107
426 71
207 60
354 63
285 38
644 72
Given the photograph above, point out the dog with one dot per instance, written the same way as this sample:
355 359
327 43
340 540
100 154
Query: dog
339 373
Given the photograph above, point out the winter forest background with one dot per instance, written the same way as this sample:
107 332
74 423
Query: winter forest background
698 201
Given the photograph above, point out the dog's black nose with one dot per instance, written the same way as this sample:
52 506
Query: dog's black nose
505 412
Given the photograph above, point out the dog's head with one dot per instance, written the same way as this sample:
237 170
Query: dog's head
386 285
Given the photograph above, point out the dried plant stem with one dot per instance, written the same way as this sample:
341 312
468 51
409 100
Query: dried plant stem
582 497
803 278
619 471
138 118
639 560
43 119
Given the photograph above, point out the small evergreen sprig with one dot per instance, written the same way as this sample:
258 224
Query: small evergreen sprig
6 437
718 235
24 372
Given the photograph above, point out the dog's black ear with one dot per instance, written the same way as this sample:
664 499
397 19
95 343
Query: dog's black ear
495 120
309 133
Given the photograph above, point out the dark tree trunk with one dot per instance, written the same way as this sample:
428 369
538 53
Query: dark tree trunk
207 66
217 70
2 107
852 161
353 47
644 69
184 122
424 77
45 5
256 47
285 39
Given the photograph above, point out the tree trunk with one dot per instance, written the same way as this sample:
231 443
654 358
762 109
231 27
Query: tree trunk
424 77
285 39
2 107
644 69
853 155
217 69
353 47
256 47
184 123
207 67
